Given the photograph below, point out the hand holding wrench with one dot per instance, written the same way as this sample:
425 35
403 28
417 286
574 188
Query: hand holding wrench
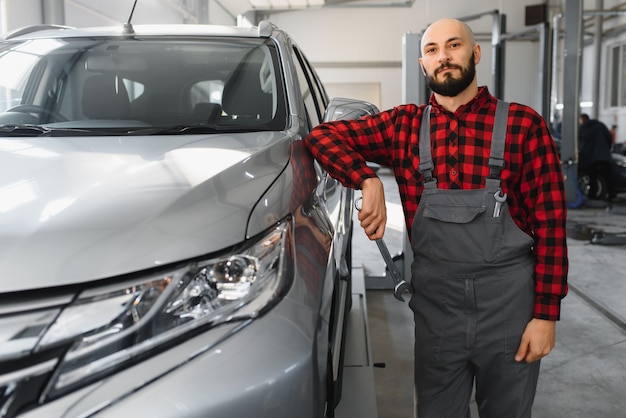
399 284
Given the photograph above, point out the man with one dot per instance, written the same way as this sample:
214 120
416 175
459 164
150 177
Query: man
594 156
488 234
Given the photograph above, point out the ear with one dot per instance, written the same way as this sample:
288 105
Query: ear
476 54
422 67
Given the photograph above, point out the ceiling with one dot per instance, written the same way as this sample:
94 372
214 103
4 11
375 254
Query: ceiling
238 7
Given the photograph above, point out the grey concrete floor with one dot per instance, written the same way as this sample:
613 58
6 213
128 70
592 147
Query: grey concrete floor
585 376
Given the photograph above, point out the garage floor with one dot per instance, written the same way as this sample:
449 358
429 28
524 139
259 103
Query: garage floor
585 376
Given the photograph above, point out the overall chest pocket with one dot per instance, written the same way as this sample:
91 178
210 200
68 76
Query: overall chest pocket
452 213
460 233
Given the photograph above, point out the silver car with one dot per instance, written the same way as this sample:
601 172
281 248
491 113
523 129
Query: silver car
168 247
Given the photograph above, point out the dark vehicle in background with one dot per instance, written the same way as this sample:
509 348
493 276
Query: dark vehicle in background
618 173
618 176
168 247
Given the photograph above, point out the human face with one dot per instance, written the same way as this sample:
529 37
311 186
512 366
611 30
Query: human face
449 57
451 86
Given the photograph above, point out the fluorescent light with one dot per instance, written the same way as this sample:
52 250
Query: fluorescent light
587 104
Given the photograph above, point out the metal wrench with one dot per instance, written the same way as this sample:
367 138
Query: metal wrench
500 199
399 284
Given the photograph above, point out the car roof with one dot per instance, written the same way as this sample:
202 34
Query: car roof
263 30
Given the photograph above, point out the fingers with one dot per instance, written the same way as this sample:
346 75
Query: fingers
373 224
373 213
537 341
530 354
523 350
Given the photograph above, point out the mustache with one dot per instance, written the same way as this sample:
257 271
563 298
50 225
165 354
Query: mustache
446 67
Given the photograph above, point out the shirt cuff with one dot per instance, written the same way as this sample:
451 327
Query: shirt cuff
357 178
548 308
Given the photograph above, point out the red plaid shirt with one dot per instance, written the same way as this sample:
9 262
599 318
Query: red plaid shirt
461 141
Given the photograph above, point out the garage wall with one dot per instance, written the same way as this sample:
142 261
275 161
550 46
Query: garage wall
370 92
15 14
112 12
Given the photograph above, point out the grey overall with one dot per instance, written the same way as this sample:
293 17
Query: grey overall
473 283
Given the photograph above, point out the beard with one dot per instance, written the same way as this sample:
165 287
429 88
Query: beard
450 86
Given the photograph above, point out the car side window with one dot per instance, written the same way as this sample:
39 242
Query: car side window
308 90
14 67
322 97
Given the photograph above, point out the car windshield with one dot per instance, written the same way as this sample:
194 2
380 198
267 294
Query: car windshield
116 86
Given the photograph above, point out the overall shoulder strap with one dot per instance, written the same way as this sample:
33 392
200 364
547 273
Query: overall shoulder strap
498 140
426 165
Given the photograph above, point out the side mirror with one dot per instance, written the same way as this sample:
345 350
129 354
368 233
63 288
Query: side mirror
341 108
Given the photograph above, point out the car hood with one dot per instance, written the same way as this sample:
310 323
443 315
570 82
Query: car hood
78 209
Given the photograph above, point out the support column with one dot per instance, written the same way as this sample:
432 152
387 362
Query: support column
53 12
545 69
413 81
597 57
571 95
202 11
497 45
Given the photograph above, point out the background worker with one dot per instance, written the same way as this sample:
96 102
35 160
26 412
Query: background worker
486 224
594 156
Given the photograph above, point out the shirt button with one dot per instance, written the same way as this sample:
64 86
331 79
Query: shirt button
453 125
453 173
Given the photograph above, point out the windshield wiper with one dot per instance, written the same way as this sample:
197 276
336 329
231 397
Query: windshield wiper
23 130
176 130
197 129
38 130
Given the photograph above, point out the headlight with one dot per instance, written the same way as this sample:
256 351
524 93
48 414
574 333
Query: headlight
117 325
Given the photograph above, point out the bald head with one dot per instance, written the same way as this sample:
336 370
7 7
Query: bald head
447 29
448 59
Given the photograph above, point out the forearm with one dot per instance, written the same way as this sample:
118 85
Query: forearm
337 157
547 205
344 147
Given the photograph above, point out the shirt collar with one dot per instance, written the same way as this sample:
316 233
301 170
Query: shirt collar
483 98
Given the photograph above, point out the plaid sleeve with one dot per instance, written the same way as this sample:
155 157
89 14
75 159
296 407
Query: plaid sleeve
344 147
543 193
